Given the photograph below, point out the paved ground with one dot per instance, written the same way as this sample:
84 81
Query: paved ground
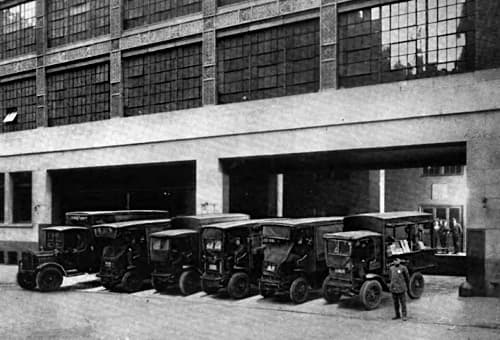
83 309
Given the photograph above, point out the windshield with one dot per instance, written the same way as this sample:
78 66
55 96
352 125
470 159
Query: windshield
277 253
338 247
54 240
160 244
272 233
115 249
212 239
105 232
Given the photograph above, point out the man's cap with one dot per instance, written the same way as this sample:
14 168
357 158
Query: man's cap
397 261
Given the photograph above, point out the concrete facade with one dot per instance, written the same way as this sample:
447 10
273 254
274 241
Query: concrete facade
458 108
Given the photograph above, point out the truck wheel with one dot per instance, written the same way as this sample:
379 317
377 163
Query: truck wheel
158 285
416 285
265 292
329 293
207 288
49 279
131 282
238 286
26 281
371 294
189 282
299 290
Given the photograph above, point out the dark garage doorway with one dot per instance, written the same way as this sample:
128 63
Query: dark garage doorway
166 186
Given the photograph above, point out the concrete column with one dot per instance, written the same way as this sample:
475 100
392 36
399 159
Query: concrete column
376 193
210 181
328 44
381 195
275 195
209 53
115 68
41 188
483 217
41 77
279 195
8 199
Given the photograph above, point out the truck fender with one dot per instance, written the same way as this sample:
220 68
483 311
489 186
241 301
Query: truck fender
52 264
380 279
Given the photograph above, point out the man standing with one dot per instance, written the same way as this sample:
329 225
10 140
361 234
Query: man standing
456 233
399 282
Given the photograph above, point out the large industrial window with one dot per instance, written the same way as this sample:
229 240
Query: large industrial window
17 30
73 20
79 95
274 62
144 12
163 81
18 105
228 2
405 40
447 170
21 196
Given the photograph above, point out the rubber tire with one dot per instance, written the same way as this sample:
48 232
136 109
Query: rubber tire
49 279
371 294
330 295
265 292
416 286
131 282
26 281
189 282
238 286
299 290
207 289
158 285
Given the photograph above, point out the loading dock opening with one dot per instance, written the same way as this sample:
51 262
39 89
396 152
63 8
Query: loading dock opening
166 186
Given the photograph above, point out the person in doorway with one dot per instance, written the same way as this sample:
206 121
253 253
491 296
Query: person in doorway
399 282
443 234
456 233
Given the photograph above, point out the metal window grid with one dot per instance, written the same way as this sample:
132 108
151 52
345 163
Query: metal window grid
273 62
79 95
18 96
143 12
17 30
405 40
74 20
163 81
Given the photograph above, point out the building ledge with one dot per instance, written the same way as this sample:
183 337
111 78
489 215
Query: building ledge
16 225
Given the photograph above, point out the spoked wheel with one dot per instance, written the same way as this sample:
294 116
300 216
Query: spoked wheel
26 280
239 286
189 282
49 279
329 293
371 294
131 282
416 285
299 290
265 292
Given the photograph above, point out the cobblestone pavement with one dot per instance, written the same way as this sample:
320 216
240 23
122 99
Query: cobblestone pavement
83 309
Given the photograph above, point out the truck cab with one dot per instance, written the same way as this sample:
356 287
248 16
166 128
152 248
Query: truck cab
125 263
294 258
359 257
65 251
176 255
233 256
